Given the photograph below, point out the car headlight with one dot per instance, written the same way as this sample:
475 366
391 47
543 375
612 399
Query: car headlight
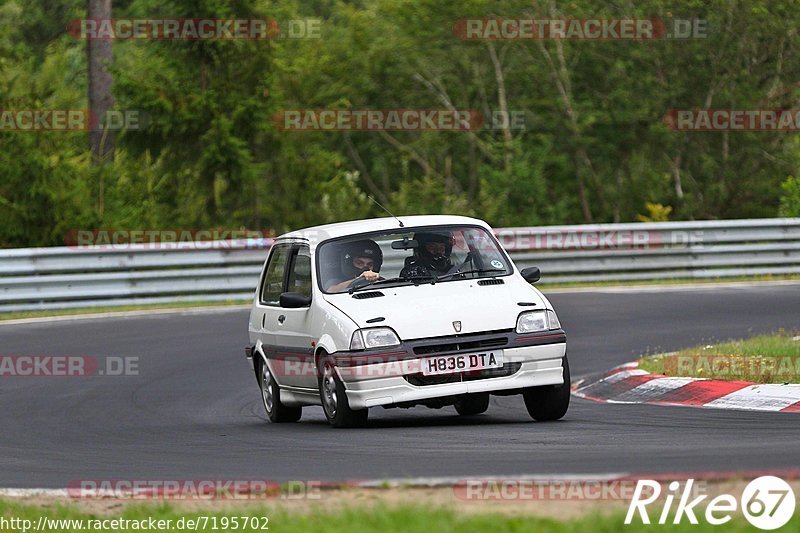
365 339
533 321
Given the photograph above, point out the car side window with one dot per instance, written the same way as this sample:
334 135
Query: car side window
276 271
300 274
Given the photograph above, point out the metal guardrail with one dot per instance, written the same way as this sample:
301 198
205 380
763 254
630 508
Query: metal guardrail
65 277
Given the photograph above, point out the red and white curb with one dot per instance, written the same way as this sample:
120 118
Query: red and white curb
629 384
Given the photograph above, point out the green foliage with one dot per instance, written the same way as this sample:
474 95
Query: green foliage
428 196
342 199
655 213
790 201
211 154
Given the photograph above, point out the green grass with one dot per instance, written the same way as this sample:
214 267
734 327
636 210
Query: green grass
16 315
379 518
773 358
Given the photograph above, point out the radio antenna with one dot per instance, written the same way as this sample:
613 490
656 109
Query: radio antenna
390 213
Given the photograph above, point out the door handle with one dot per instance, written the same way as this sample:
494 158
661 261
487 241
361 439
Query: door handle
281 319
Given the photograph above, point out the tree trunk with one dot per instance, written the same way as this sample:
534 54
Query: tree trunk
502 102
101 141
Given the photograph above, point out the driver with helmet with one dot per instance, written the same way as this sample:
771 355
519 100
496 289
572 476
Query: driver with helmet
431 257
360 262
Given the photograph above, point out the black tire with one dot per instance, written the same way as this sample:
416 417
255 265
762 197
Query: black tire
549 402
472 404
277 412
334 400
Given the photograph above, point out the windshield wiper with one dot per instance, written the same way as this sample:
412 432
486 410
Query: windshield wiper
474 271
413 279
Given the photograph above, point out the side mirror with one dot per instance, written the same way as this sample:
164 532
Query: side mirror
294 300
531 274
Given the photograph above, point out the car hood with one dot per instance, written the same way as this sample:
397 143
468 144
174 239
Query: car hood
429 310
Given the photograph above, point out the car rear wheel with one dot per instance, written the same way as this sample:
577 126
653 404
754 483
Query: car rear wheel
549 402
271 398
334 400
472 404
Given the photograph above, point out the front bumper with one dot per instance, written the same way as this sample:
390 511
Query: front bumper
386 383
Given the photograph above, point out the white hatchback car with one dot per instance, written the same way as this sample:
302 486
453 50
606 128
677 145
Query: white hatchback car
399 312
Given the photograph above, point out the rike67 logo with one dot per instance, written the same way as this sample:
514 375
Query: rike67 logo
767 502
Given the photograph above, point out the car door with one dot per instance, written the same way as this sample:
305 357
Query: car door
293 335
267 308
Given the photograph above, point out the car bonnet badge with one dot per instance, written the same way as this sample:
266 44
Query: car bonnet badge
457 326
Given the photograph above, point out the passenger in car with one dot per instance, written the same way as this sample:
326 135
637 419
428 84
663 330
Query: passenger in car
431 257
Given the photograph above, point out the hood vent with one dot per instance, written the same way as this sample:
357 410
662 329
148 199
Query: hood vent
491 282
365 295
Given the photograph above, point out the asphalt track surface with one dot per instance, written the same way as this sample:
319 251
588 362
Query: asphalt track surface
194 411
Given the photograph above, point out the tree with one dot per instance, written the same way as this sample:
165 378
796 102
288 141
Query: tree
101 99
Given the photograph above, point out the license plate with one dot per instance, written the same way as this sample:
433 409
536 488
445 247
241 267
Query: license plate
463 362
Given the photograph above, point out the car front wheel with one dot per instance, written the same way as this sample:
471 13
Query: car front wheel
548 402
271 398
334 400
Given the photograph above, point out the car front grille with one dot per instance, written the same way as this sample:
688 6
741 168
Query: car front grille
459 344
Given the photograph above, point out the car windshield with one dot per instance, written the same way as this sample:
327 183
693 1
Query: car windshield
409 256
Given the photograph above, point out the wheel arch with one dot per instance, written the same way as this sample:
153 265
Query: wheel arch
325 344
